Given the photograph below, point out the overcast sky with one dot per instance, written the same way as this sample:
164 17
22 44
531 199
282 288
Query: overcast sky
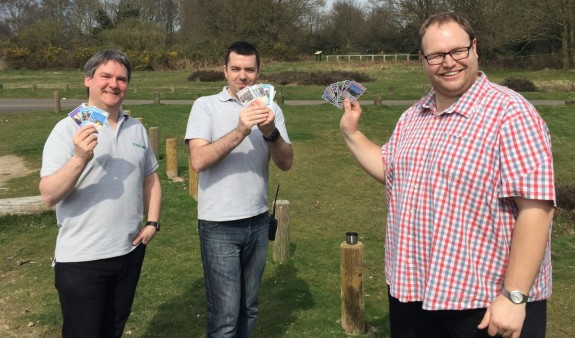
328 3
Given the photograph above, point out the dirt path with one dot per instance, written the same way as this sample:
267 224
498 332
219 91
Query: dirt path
11 166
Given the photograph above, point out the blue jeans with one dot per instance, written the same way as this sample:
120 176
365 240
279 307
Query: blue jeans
234 257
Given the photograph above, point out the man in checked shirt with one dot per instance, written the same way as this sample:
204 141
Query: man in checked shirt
469 184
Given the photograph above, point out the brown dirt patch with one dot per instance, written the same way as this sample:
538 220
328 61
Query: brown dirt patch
11 166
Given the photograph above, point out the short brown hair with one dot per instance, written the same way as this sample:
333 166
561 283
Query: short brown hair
441 18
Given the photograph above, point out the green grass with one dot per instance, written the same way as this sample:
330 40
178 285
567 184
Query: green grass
391 81
328 193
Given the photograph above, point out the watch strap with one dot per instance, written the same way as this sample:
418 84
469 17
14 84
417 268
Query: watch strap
154 224
273 137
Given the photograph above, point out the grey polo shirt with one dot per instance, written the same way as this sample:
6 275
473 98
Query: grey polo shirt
236 187
103 214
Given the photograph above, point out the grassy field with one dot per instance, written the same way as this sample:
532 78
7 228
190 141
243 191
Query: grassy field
390 80
328 194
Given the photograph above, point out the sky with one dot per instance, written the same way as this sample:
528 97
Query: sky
328 3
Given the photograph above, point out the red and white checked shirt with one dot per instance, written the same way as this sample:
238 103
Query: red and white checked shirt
449 183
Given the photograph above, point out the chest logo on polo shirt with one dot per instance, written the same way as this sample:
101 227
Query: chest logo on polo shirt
139 145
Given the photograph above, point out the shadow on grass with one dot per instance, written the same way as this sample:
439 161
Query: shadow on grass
282 295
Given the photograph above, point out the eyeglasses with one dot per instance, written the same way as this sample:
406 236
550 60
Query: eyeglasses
456 54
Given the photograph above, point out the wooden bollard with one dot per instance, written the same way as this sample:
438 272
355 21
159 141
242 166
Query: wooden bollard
193 182
141 119
157 98
172 158
281 243
128 112
154 140
281 98
377 101
57 106
352 297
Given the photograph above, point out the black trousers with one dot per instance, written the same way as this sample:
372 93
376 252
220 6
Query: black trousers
409 320
96 296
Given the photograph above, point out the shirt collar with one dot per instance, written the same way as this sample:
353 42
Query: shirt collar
225 95
466 104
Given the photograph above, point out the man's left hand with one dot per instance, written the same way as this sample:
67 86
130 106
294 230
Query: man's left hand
503 318
145 235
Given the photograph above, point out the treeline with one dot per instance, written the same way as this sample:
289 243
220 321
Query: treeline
184 34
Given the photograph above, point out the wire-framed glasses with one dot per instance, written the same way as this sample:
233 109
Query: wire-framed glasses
456 54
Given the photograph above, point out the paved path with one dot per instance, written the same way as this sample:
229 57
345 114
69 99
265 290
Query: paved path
30 105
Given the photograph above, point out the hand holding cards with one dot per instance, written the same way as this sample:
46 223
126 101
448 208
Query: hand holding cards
263 92
336 92
89 115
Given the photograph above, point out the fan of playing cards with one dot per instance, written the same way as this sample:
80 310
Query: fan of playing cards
336 92
264 92
89 115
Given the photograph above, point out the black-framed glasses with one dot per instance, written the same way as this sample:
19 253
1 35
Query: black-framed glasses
456 54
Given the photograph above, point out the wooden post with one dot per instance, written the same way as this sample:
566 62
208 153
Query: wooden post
352 298
66 87
377 101
154 137
157 98
193 181
171 158
128 112
281 243
57 106
281 98
141 119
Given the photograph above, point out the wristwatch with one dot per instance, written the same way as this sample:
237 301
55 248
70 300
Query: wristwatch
154 224
514 296
273 137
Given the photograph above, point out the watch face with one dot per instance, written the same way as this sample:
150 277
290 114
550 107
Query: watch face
516 297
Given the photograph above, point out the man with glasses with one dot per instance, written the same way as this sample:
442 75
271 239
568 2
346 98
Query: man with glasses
470 192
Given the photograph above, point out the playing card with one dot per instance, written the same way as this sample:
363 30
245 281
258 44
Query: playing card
353 91
76 115
95 116
245 95
336 92
259 93
269 92
263 92
85 114
98 118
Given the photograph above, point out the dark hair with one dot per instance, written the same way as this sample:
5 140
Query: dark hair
441 18
242 48
104 56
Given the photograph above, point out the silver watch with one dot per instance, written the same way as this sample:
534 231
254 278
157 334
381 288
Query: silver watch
514 296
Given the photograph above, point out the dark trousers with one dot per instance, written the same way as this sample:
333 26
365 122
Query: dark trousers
409 320
96 296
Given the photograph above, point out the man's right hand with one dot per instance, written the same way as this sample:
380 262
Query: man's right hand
256 112
85 140
350 119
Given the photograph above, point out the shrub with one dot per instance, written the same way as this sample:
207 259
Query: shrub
207 76
314 78
520 85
